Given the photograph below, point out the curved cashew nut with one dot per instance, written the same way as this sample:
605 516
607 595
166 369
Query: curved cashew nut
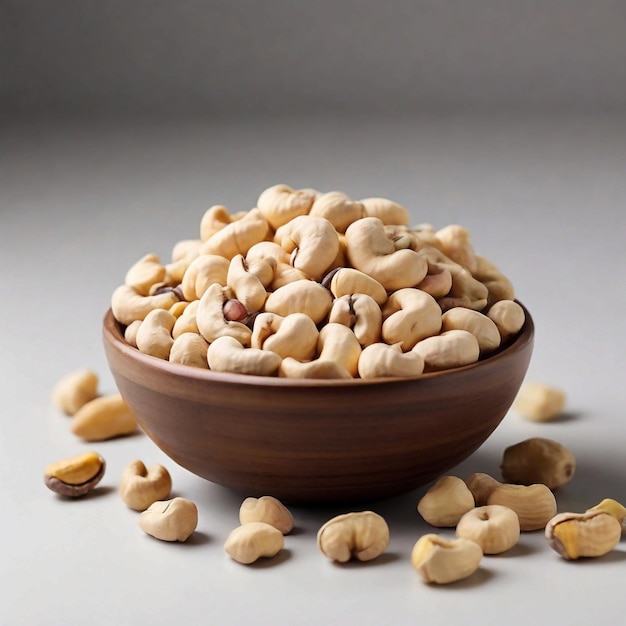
186 321
312 242
226 354
210 317
483 328
280 203
216 218
292 368
238 236
388 211
186 250
267 251
247 287
382 360
190 349
295 335
361 314
154 336
455 242
300 296
452 348
128 305
339 344
372 252
145 273
410 315
498 285
140 486
346 280
203 271
508 316
338 209
437 282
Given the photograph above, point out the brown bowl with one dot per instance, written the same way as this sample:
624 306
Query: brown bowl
316 441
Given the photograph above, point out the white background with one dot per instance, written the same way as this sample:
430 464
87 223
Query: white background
543 197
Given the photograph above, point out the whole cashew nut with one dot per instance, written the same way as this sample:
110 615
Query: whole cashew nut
312 242
388 211
361 314
128 305
186 322
452 348
295 335
211 320
508 316
337 343
190 349
484 329
499 287
238 236
300 296
154 336
318 368
380 360
226 354
214 219
455 243
346 281
372 252
280 203
202 272
145 273
140 486
247 287
338 209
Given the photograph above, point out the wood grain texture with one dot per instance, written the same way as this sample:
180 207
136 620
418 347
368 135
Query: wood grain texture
314 441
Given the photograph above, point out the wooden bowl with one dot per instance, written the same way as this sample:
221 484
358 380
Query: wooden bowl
317 441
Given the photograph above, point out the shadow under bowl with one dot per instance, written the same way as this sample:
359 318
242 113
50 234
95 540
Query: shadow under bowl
317 441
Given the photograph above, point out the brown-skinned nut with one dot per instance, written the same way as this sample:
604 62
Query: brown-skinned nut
481 485
140 486
75 476
212 321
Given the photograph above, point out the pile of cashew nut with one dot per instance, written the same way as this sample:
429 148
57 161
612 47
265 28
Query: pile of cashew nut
317 285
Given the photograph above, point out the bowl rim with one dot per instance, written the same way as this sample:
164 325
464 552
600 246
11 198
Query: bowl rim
113 335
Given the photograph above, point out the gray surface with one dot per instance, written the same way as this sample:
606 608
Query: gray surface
543 198
215 56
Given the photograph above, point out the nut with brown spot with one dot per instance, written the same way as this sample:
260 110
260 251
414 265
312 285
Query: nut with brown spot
75 476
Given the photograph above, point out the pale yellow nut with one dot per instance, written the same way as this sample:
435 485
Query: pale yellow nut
75 476
74 390
445 561
535 505
614 508
538 460
362 535
494 528
145 273
252 541
481 485
105 417
451 348
266 509
170 520
539 402
141 486
446 502
576 535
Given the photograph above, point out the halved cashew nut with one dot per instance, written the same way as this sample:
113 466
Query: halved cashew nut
484 329
300 296
226 354
140 486
312 242
128 305
266 509
372 252
293 336
444 561
452 348
154 336
202 272
145 273
238 236
380 360
387 211
211 320
247 287
104 418
190 349
280 203
170 520
494 528
363 536
74 390
410 315
338 209
361 314
345 281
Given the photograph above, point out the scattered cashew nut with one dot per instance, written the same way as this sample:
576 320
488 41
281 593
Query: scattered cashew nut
140 486
170 520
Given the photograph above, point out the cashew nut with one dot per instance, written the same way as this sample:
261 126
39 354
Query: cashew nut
293 336
247 287
382 360
446 502
128 305
494 528
211 320
300 296
202 272
170 520
445 561
186 250
145 273
215 218
76 476
280 203
539 402
345 281
452 348
227 354
361 314
455 243
74 390
238 236
186 323
497 284
534 504
250 542
130 333
312 242
318 368
372 252
104 418
338 209
481 485
140 486
337 343
410 315
154 336
387 211
508 316
363 536
483 328
269 510
190 349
